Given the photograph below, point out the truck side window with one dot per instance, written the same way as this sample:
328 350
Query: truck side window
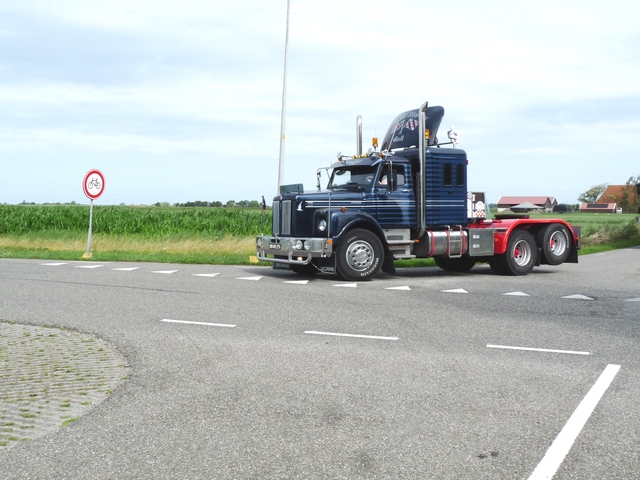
459 175
399 175
447 174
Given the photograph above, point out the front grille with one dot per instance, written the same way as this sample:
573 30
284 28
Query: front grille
282 217
285 224
275 210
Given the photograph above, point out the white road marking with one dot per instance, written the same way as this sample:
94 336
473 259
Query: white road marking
348 285
255 279
560 447
226 325
633 299
517 294
165 272
398 288
578 296
373 337
455 290
127 269
205 274
53 264
89 266
297 282
545 350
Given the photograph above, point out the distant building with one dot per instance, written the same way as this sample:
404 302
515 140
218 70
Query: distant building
535 203
599 207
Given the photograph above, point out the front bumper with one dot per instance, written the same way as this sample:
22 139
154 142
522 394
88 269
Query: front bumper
283 249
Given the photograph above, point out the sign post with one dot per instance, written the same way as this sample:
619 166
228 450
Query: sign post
93 186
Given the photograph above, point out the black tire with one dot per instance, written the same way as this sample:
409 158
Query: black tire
308 269
359 256
521 254
462 264
555 244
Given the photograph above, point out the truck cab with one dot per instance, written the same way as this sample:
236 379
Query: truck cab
407 200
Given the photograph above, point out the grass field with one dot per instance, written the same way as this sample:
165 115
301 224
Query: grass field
201 235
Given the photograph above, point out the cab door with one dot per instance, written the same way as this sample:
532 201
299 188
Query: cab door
396 208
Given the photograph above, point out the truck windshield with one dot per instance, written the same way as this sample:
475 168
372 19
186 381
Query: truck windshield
353 177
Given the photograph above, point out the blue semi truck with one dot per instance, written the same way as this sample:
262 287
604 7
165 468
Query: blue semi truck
406 199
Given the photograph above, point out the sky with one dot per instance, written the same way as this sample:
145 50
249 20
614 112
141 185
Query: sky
177 101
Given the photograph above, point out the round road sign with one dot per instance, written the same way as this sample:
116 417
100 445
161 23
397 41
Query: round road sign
93 184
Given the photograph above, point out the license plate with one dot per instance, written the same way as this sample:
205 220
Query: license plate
275 246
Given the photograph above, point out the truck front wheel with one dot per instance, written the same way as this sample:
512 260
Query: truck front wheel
521 254
359 256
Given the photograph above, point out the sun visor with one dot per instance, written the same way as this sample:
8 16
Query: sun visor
403 132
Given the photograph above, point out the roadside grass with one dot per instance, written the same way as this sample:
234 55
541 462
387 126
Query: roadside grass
206 235
104 247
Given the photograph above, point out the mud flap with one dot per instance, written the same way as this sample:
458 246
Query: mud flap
388 266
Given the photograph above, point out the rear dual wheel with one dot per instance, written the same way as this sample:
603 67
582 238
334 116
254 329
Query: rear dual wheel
520 257
554 241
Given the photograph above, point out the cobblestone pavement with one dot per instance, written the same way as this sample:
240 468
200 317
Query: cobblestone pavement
50 377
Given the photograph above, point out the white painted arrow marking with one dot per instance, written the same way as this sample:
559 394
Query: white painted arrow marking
126 269
205 274
165 272
398 288
578 296
348 285
517 294
255 279
455 290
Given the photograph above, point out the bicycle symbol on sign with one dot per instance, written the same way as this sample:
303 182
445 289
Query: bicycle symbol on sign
94 183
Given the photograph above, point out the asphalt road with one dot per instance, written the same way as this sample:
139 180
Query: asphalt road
406 376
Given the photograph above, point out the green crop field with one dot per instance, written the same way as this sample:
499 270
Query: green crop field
201 234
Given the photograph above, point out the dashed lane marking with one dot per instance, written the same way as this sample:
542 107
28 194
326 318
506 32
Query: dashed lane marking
633 299
578 296
517 294
205 274
348 285
255 279
333 334
53 264
297 282
225 325
543 350
165 272
404 287
126 269
455 290
89 266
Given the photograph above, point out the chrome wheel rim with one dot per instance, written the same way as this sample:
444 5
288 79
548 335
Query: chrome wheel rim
522 253
360 255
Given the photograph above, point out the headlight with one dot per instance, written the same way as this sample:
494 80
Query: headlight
298 245
307 246
322 225
259 243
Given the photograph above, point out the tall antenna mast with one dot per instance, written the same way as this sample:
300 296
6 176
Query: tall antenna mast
284 107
